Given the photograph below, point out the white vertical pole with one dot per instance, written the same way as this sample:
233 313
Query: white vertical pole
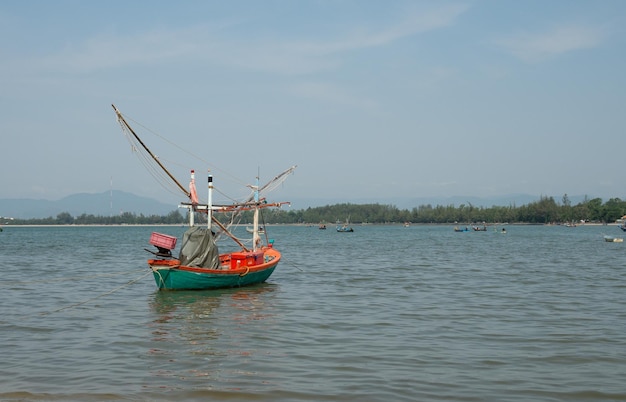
191 211
255 227
210 204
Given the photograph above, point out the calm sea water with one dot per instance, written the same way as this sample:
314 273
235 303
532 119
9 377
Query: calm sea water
386 313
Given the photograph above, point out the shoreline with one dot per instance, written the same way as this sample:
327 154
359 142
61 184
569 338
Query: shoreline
316 225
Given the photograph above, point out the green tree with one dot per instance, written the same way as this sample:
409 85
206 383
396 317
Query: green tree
64 218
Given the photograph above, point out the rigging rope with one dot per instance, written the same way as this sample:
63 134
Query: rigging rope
149 164
48 280
161 174
162 178
96 297
199 158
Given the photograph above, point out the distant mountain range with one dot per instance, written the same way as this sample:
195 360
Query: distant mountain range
101 204
116 202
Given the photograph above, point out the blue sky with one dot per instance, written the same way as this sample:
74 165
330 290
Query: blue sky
371 99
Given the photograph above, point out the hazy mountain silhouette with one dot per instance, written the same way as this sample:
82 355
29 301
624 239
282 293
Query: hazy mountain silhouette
101 204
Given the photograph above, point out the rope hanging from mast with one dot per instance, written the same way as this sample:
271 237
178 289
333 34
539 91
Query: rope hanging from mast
127 128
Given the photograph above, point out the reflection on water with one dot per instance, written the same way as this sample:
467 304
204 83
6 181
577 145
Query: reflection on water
199 304
168 305
206 327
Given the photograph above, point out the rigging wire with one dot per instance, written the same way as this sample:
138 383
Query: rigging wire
151 161
74 278
162 178
96 297
157 173
199 158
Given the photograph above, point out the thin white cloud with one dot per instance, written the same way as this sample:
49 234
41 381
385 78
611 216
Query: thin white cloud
212 44
302 56
535 47
414 22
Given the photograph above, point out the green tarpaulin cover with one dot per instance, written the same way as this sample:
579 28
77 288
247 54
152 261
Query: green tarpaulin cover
199 249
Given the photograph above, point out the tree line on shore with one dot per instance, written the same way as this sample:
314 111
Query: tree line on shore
544 211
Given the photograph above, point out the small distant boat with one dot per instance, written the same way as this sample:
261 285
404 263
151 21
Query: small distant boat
612 239
457 229
322 227
345 227
407 224
623 227
479 229
251 230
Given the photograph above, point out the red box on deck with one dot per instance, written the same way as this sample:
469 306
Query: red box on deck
246 259
163 241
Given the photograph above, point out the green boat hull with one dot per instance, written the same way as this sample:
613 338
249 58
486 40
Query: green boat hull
176 279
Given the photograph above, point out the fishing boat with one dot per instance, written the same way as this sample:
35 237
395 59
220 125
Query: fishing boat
199 265
457 229
612 239
345 228
251 230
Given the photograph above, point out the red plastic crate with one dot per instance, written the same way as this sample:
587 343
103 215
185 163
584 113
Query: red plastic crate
162 240
242 259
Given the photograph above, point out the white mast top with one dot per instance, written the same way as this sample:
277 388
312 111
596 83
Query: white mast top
210 202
